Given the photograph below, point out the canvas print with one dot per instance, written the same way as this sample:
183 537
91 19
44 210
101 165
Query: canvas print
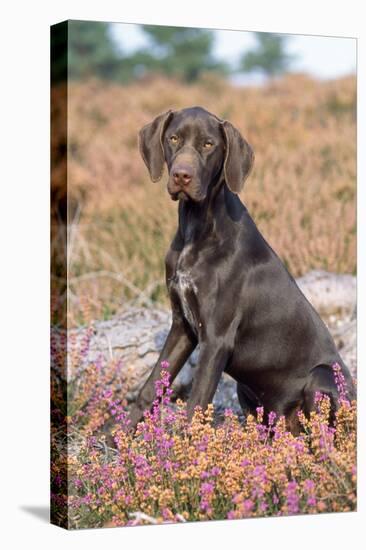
203 274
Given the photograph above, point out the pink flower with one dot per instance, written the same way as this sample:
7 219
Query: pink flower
207 488
248 506
340 383
168 465
271 418
318 397
309 488
292 497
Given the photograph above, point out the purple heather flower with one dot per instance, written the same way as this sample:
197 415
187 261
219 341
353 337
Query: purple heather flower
318 397
87 499
309 485
292 497
168 465
340 383
202 445
166 514
207 488
248 506
263 506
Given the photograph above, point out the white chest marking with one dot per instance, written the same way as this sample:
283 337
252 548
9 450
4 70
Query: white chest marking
185 285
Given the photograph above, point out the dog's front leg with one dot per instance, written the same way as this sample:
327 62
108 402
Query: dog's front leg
211 363
178 347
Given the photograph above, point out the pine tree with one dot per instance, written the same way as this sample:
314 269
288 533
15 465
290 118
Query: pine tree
91 50
181 52
269 56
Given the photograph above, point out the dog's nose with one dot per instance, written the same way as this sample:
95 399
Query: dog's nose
182 175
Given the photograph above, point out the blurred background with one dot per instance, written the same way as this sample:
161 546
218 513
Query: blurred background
294 99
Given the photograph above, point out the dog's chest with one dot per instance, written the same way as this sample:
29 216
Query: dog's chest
184 283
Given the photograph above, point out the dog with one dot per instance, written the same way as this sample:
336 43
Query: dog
229 291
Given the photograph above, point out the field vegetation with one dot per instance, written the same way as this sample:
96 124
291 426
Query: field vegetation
301 192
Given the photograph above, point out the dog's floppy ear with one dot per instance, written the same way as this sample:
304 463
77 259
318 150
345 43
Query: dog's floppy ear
239 158
151 144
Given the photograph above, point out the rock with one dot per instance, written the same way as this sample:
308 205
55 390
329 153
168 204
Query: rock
329 293
137 335
344 333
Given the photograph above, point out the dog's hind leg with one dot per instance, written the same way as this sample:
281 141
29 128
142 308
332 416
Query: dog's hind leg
322 380
247 399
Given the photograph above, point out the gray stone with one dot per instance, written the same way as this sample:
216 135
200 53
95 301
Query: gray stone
329 293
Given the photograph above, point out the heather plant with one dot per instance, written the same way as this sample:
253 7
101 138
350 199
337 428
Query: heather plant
170 470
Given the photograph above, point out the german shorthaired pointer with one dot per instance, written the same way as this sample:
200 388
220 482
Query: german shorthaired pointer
230 293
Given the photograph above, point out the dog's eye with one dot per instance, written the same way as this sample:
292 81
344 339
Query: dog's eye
208 144
174 139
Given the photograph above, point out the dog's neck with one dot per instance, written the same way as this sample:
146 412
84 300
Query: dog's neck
197 219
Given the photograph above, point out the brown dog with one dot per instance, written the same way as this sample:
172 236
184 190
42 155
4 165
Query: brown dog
230 293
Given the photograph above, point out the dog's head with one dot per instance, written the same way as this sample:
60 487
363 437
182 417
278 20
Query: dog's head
198 148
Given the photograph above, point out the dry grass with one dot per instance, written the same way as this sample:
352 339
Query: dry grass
301 193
